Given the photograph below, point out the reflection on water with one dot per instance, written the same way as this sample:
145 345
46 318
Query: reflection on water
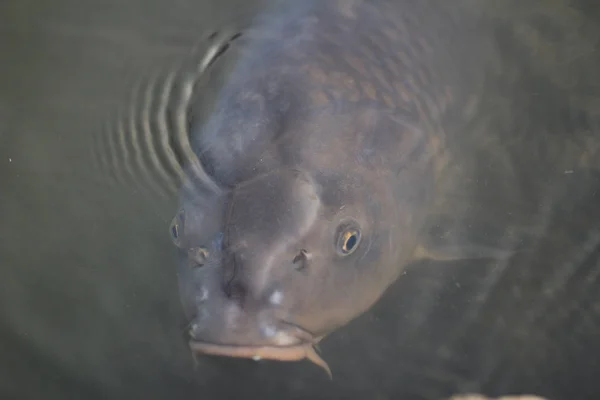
90 153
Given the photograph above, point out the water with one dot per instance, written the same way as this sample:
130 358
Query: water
88 294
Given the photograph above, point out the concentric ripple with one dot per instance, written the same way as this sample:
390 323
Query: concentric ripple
145 147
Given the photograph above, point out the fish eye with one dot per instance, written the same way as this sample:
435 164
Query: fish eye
348 239
176 228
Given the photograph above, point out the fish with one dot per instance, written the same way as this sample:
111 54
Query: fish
333 143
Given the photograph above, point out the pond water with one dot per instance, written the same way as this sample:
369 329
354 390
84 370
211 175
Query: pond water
89 304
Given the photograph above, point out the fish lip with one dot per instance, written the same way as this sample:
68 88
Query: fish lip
295 352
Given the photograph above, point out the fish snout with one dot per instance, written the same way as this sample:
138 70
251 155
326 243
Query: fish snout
222 325
229 314
233 326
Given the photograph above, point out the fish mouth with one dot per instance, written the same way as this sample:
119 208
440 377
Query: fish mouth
302 345
295 352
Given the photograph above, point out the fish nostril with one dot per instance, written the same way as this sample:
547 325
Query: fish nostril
236 291
198 255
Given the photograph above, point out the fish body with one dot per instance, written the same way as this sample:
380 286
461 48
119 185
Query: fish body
340 131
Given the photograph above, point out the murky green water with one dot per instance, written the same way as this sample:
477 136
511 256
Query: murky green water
89 306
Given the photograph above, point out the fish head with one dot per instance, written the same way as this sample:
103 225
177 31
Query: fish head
284 257
320 206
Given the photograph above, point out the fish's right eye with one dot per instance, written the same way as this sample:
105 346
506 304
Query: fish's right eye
176 228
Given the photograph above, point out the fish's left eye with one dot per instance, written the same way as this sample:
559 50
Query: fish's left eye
348 239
